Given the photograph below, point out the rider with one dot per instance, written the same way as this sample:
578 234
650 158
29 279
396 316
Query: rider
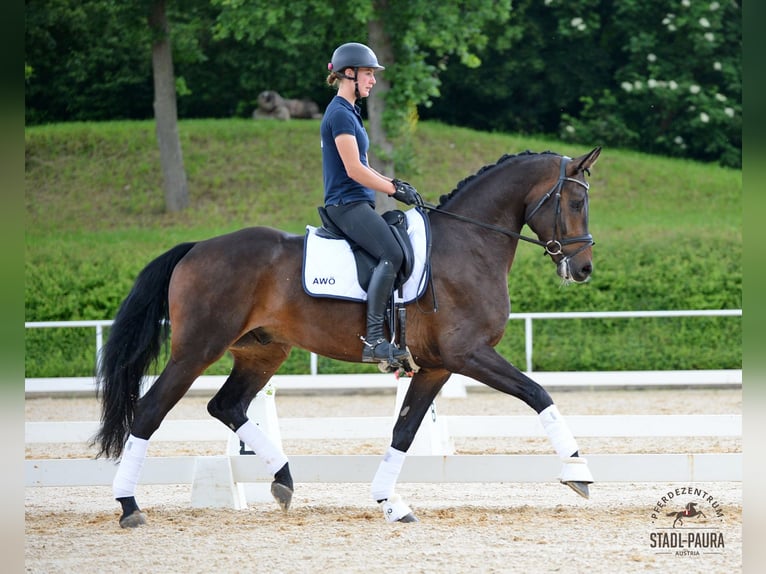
350 184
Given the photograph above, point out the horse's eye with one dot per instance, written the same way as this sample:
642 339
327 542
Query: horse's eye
576 204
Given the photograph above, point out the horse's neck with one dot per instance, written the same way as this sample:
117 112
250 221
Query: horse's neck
496 198
467 243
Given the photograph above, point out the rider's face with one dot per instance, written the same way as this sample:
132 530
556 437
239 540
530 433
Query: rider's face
365 77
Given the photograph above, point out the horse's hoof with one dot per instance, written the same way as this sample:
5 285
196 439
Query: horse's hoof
576 475
580 488
133 520
395 510
282 494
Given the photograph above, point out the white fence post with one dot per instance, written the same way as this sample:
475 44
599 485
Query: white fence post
528 342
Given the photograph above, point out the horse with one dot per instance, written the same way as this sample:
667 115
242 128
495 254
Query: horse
242 293
689 511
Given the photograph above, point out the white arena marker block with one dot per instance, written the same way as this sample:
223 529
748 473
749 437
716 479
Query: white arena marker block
213 485
249 491
263 412
454 388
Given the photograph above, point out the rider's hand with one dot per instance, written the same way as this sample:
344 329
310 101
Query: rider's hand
406 193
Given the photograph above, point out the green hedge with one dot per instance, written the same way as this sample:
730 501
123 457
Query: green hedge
668 236
60 286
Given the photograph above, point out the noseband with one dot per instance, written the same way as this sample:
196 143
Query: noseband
552 246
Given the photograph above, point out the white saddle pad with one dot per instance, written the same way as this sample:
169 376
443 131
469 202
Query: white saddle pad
329 268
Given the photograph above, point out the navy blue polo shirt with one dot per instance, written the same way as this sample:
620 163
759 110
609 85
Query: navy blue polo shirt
341 117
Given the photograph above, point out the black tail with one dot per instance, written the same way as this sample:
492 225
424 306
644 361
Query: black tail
135 341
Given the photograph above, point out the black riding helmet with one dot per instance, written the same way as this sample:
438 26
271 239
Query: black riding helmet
353 55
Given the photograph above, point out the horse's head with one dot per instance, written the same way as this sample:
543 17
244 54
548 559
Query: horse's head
559 217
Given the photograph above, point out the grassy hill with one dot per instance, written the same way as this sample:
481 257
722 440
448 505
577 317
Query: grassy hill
668 234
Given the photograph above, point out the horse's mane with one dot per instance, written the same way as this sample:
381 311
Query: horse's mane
504 158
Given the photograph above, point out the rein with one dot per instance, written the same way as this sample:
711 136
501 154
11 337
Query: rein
553 246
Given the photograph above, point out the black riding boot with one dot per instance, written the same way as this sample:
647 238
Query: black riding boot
376 346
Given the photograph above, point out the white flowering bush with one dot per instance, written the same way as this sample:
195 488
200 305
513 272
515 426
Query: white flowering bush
676 87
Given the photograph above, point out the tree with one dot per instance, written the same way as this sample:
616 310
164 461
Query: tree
679 86
531 73
381 149
86 60
422 37
165 112
93 60
403 33
660 76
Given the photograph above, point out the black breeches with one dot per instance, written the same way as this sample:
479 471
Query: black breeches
364 226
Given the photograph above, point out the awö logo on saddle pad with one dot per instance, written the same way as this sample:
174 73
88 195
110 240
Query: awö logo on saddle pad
323 281
687 521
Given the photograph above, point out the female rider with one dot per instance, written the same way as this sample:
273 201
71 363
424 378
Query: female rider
350 184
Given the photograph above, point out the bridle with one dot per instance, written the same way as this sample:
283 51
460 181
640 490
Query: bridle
554 246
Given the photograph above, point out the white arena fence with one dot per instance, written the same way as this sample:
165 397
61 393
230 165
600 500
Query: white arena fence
233 479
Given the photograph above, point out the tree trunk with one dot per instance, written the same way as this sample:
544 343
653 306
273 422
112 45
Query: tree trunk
381 150
165 112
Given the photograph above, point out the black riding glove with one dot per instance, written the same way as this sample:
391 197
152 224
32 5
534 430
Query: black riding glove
406 193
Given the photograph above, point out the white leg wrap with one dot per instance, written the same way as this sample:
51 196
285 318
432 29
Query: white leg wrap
133 457
575 469
387 474
256 439
558 432
395 508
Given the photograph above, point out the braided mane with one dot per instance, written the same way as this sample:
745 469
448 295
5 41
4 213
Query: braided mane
463 183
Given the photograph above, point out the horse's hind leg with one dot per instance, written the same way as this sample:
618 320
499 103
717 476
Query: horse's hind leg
254 365
151 409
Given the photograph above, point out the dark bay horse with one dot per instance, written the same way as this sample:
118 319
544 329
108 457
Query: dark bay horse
242 293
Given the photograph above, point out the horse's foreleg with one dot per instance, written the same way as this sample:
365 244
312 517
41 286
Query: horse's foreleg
253 367
487 366
423 389
574 472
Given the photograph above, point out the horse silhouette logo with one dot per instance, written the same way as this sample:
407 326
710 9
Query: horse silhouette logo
690 511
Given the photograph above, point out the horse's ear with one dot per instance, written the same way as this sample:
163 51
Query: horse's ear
584 162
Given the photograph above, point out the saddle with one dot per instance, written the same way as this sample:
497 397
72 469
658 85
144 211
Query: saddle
396 315
366 263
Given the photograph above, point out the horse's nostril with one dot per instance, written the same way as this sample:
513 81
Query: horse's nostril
587 269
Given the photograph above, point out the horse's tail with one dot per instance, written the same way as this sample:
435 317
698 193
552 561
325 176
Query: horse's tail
135 340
